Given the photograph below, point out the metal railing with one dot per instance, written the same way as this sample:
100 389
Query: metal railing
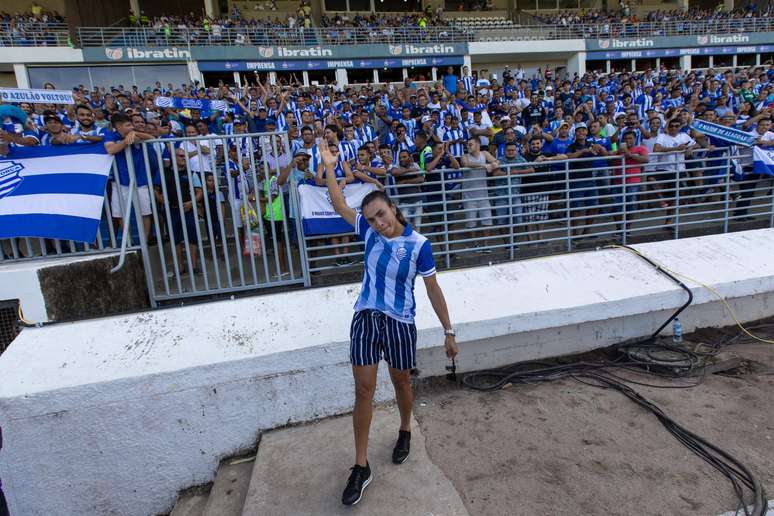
204 229
54 34
218 223
237 36
34 34
564 206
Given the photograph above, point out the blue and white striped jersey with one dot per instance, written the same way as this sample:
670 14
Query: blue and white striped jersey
366 133
95 131
467 81
348 149
456 149
391 267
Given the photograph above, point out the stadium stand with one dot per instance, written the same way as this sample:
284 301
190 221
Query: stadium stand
542 109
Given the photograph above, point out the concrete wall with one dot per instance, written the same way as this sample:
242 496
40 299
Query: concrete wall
113 416
54 55
73 288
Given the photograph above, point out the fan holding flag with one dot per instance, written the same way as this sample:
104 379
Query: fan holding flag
756 167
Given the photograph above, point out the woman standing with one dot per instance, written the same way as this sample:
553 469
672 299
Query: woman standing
383 324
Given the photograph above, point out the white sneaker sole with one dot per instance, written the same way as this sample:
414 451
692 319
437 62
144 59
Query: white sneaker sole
365 484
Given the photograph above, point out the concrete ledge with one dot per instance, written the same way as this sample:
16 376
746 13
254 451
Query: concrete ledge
124 411
69 288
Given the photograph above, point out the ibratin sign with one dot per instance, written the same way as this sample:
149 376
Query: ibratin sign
272 53
639 43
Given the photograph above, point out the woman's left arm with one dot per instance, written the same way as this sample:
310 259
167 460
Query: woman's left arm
435 294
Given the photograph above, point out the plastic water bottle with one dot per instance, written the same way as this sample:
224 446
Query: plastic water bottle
677 331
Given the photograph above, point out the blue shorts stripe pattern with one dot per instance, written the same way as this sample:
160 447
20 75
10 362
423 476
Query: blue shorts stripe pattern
374 334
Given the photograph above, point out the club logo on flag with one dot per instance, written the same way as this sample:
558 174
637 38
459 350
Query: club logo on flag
10 177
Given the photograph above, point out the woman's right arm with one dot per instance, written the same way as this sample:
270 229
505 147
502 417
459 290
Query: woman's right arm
335 193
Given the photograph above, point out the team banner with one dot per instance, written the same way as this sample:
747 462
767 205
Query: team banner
53 191
722 132
11 95
317 212
200 104
763 160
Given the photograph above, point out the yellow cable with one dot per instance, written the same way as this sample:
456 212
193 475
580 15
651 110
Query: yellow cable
22 319
693 280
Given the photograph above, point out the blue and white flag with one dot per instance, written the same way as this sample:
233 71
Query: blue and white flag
763 160
317 213
53 192
200 104
722 132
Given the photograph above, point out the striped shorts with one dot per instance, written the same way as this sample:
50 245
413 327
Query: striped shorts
374 334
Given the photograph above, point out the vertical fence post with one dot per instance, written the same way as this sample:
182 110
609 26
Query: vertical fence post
140 227
727 190
567 204
447 244
676 230
624 199
302 251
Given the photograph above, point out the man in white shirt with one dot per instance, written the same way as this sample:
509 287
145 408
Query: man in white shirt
674 145
198 152
481 129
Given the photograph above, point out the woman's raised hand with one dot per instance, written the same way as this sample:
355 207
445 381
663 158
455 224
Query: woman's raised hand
328 159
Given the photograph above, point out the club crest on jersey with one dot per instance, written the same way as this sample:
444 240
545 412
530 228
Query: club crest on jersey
10 177
400 253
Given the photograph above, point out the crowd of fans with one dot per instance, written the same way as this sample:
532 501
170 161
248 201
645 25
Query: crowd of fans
466 126
625 14
292 29
32 28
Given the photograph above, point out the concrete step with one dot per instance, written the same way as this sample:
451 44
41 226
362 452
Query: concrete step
303 470
227 496
189 505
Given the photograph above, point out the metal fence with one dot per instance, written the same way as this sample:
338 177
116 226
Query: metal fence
58 35
237 36
216 220
210 220
34 34
554 207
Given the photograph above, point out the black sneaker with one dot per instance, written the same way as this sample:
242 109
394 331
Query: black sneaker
401 451
358 481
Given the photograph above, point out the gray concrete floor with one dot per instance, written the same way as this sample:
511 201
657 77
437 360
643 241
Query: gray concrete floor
303 471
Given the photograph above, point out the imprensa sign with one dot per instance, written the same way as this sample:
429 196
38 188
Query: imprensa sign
271 53
327 64
677 52
639 43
